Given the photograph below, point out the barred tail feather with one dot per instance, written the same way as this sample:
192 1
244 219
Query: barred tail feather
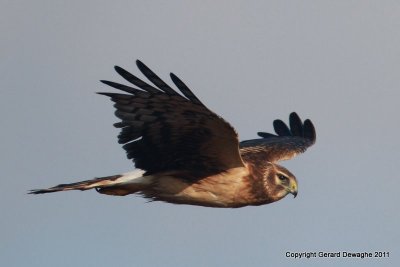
120 184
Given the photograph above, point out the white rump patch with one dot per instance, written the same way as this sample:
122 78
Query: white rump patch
134 177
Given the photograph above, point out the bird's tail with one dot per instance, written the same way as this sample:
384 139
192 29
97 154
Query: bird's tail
118 185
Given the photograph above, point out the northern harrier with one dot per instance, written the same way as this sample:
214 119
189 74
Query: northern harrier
187 154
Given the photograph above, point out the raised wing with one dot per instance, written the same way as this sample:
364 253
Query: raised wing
285 144
165 131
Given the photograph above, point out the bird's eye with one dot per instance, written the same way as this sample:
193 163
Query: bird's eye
282 177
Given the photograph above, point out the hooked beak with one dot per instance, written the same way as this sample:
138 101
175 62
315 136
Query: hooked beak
293 190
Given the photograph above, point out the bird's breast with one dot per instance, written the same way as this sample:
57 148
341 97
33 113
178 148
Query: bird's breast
226 189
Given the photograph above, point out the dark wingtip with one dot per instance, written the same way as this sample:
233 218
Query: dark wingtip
140 64
106 94
296 125
309 130
112 84
294 117
281 128
121 71
105 82
265 135
175 79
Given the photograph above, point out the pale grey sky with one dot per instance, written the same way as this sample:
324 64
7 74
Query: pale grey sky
335 62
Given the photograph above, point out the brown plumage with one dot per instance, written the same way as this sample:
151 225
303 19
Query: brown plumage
187 154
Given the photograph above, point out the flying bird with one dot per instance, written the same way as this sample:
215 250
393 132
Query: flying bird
186 154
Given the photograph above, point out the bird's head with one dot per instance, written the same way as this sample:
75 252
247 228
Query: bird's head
281 181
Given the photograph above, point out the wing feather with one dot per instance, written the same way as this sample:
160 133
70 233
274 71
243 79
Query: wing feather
296 125
163 131
135 80
155 79
185 90
122 87
287 143
281 128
